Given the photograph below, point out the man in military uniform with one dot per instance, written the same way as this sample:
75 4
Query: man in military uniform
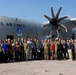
26 50
49 48
46 48
55 43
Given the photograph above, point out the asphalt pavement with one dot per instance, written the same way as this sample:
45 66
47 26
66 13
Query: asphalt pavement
41 67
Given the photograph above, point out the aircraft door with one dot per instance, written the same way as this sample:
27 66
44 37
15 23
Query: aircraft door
11 37
73 36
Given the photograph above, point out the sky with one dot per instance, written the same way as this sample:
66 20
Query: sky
36 9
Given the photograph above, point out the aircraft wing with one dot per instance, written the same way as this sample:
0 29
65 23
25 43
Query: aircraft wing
73 20
69 24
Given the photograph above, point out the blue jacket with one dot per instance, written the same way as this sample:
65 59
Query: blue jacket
4 46
71 46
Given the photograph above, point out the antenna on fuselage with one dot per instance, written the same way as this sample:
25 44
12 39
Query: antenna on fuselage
16 19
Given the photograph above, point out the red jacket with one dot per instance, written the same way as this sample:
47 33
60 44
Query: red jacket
52 47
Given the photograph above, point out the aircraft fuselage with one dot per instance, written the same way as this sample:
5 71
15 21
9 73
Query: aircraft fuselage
14 28
21 28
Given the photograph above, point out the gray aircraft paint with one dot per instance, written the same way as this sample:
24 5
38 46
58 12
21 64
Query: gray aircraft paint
9 26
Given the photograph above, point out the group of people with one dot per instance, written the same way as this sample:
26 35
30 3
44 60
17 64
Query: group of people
33 49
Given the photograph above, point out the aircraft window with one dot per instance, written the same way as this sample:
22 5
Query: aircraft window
43 33
2 23
10 37
73 36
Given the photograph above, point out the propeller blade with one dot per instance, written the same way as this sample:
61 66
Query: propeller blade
64 17
47 17
62 27
57 33
50 30
44 25
57 15
52 12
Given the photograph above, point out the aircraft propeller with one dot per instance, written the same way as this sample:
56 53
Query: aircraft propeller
55 21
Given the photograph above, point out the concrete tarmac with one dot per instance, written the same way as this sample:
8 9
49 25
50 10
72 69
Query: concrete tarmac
41 67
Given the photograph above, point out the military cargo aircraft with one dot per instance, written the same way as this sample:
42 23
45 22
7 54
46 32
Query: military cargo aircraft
56 27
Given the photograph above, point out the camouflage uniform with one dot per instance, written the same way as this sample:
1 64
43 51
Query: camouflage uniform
46 47
55 43
26 51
